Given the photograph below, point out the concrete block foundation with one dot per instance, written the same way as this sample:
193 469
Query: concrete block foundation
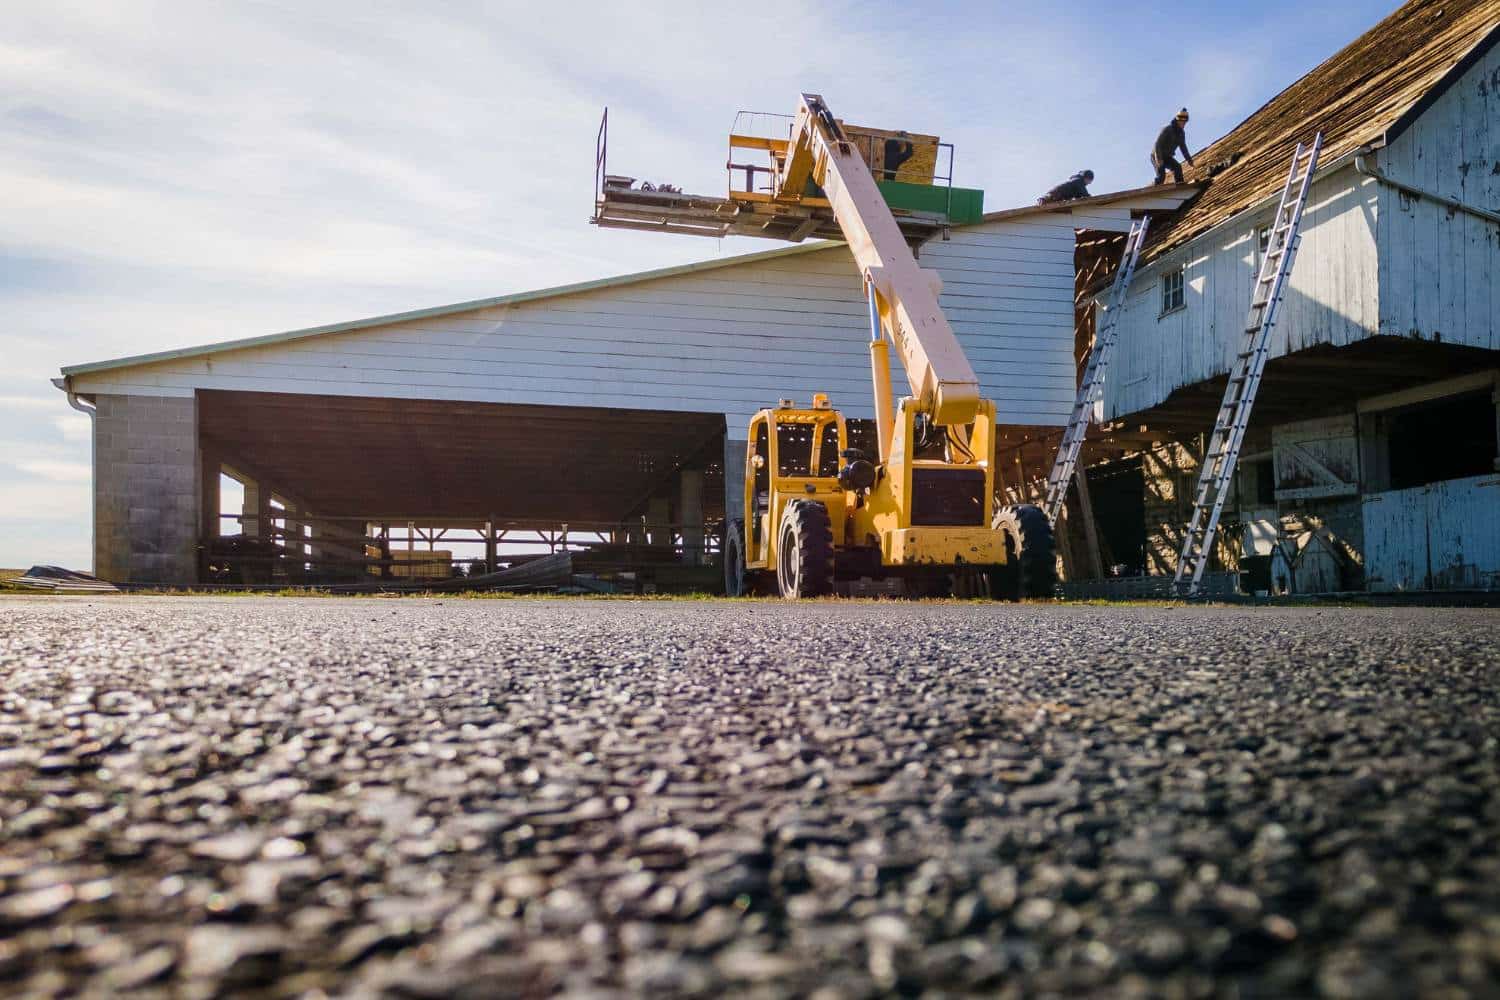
146 490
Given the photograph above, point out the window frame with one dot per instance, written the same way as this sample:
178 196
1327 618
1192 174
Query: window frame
1262 237
1167 291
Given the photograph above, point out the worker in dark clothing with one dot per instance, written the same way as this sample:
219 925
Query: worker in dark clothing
1073 188
1171 139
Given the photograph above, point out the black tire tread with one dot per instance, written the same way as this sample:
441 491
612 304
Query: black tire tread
809 524
1034 571
732 550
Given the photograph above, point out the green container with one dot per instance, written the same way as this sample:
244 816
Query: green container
966 204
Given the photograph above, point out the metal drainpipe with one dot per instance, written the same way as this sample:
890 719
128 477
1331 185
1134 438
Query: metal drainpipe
1452 204
82 407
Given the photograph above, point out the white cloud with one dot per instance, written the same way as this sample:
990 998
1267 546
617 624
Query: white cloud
55 471
75 429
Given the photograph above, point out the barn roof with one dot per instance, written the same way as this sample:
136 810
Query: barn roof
1368 93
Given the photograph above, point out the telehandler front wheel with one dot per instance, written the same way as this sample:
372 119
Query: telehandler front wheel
804 556
1030 569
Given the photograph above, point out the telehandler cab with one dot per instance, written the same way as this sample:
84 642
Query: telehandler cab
915 506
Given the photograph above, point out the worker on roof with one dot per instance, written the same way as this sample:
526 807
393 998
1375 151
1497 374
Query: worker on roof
1073 188
1171 139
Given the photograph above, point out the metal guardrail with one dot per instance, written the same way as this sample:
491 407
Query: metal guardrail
601 159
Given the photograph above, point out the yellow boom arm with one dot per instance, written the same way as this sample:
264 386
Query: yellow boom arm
906 295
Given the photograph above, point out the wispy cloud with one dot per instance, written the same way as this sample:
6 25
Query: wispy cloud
55 471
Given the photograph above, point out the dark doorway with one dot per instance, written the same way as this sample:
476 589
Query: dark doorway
1118 492
1451 438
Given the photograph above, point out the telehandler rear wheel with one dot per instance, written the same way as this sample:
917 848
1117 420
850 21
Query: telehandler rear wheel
739 581
1030 569
733 555
804 557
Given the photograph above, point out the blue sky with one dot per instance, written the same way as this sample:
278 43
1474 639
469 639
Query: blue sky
177 173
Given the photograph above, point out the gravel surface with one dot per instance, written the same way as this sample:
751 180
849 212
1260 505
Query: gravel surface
435 798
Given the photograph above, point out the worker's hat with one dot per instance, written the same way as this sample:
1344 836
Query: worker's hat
1182 115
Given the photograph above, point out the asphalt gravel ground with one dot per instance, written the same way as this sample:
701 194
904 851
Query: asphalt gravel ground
502 797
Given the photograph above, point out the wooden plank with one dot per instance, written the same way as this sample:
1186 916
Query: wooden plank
1476 382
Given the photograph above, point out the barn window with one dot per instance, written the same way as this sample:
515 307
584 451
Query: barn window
1171 291
1262 244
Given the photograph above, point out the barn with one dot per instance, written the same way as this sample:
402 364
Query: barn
1372 456
606 417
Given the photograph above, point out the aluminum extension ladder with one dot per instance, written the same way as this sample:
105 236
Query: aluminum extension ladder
1244 379
1092 388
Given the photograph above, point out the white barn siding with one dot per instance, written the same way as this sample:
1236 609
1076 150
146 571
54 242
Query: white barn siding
1438 274
1444 536
1331 298
730 339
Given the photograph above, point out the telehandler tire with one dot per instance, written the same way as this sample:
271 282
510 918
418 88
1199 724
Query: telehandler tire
804 557
733 556
739 581
1030 570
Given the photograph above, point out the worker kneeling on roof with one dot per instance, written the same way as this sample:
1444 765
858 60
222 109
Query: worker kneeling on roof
1073 188
1168 142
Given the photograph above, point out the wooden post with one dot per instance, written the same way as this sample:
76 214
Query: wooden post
250 508
658 521
690 513
208 495
1086 515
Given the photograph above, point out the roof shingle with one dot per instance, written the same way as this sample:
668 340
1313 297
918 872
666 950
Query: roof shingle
1357 96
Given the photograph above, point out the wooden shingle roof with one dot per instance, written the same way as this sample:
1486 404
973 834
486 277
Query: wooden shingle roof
1369 91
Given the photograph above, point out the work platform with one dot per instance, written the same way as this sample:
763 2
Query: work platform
622 206
924 202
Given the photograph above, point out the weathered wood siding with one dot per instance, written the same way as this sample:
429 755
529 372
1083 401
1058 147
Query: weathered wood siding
1444 536
1440 270
1316 459
1331 298
730 339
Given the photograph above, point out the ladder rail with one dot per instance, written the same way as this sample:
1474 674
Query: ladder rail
1091 390
1221 454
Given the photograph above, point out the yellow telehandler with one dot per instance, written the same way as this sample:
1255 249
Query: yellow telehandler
912 510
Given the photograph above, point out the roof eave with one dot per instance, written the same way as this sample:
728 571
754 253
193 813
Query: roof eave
1153 254
1187 191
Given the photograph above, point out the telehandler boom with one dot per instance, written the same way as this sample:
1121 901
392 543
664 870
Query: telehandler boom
917 506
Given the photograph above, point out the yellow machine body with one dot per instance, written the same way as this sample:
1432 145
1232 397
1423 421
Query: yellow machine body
920 515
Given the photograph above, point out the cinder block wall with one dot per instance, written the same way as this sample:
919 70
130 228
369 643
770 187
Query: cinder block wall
146 489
